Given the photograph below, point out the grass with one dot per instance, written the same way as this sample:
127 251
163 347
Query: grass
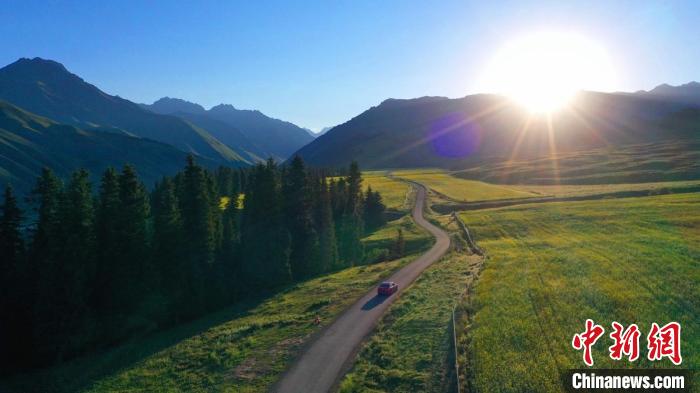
462 190
552 266
240 349
410 350
641 163
394 192
593 189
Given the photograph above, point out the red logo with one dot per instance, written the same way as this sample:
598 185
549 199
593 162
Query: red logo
586 340
626 342
665 342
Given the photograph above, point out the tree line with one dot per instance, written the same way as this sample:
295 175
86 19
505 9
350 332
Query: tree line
89 267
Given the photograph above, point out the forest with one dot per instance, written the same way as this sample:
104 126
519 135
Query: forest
86 267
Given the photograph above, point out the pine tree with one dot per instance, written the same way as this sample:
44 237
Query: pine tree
196 206
351 225
76 263
15 300
134 276
44 268
264 238
168 247
328 247
399 247
108 248
373 210
304 254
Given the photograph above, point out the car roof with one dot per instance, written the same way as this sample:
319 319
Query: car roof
386 283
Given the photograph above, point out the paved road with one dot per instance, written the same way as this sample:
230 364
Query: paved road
325 360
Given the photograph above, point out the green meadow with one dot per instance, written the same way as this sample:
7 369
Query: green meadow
395 193
552 266
462 190
567 190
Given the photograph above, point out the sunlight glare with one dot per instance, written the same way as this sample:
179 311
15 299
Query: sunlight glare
544 71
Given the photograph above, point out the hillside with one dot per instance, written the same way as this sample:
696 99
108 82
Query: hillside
46 88
29 142
460 133
251 131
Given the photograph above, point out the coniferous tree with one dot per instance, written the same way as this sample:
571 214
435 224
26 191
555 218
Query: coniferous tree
304 258
15 294
328 247
399 247
168 253
196 207
352 226
264 239
134 276
76 263
44 267
373 210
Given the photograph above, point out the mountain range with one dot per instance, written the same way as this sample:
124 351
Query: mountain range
46 101
51 117
29 142
257 135
459 133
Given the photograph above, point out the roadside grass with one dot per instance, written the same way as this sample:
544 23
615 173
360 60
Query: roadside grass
243 348
565 190
415 237
552 266
410 349
462 190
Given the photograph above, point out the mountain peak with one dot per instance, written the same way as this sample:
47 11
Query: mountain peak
168 105
36 64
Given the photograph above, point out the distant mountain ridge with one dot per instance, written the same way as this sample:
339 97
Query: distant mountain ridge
265 136
47 88
29 142
688 93
458 133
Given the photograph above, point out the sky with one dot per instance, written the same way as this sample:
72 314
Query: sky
319 64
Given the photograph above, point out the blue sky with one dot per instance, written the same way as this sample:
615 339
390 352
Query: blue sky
320 63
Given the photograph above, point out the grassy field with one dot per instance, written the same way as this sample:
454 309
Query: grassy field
460 189
593 189
240 349
410 350
643 163
552 266
395 193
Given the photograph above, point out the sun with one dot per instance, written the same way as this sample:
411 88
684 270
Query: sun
544 71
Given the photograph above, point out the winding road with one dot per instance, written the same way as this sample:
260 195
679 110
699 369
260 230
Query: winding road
324 361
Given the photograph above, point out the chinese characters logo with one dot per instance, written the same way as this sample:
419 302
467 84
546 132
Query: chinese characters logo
662 342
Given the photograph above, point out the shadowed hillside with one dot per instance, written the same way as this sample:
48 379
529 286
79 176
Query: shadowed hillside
461 133
46 88
29 142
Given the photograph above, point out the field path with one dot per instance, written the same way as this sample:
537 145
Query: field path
324 361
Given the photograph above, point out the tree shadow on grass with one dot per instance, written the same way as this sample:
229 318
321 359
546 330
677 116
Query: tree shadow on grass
81 373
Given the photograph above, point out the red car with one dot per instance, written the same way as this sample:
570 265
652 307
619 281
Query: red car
387 288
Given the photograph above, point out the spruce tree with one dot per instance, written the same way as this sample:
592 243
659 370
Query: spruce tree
304 254
352 225
323 213
168 247
264 238
15 297
44 266
373 210
134 276
196 205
